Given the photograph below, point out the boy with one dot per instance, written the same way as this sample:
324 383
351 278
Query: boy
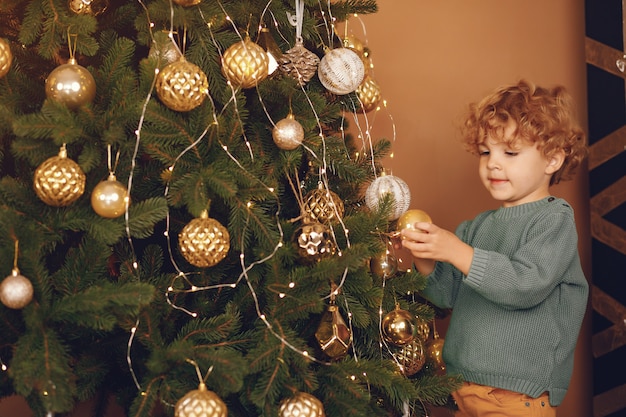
512 276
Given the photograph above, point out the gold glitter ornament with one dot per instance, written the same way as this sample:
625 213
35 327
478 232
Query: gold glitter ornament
301 404
288 133
299 63
411 357
410 217
200 403
204 242
341 71
245 64
333 335
389 184
384 266
71 84
368 93
398 327
323 206
181 85
16 291
315 242
109 198
59 181
6 57
90 7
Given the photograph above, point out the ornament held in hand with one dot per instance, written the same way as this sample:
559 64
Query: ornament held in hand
410 217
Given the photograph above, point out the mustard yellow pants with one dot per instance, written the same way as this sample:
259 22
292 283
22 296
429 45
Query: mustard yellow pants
476 400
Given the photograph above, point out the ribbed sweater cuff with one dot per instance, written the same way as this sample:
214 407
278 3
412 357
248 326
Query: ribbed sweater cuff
477 269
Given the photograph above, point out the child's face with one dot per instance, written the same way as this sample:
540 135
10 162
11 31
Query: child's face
514 172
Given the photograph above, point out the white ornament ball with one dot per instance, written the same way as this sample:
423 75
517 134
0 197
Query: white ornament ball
288 133
16 291
109 198
389 184
341 71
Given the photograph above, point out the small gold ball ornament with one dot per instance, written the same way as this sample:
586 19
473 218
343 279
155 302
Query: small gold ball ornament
341 71
187 3
369 94
71 84
410 217
323 206
204 242
16 291
434 355
59 181
384 266
6 57
288 133
90 7
181 85
301 404
389 184
315 242
200 403
245 64
398 327
109 198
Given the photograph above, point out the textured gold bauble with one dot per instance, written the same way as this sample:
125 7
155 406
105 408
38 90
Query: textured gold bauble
389 184
299 63
90 7
109 198
71 84
384 266
333 335
204 242
369 94
200 403
288 133
59 181
181 85
422 329
398 327
410 217
434 355
16 291
6 57
411 357
341 71
315 242
354 43
323 206
301 404
245 64
187 3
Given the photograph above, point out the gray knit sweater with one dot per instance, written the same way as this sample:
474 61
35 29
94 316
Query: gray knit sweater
517 314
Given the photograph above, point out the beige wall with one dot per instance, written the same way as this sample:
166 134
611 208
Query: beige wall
431 58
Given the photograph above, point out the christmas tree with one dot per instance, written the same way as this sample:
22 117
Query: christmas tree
186 224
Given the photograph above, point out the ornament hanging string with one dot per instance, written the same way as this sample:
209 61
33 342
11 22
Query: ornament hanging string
299 19
110 166
71 45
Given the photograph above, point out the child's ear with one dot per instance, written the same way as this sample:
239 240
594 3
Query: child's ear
555 162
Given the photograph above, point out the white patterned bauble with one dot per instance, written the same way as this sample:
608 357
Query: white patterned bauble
389 184
341 71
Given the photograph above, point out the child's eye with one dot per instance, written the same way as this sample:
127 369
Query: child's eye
511 153
483 152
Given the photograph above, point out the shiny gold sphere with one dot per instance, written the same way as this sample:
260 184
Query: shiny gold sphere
200 403
109 198
408 219
245 64
301 405
182 86
59 181
71 84
204 242
6 57
384 265
434 355
187 3
398 327
288 133
16 291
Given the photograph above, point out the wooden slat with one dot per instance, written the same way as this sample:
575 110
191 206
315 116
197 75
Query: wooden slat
611 197
613 337
610 401
603 56
608 233
607 148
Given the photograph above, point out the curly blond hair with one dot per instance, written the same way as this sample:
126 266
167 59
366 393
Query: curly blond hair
542 116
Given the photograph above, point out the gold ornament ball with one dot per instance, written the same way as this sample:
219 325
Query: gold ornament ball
288 133
200 403
369 94
245 64
187 3
384 266
301 404
109 198
389 184
398 327
182 86
16 291
6 57
410 217
323 206
204 242
315 242
411 357
71 84
434 355
91 7
341 71
59 181
422 330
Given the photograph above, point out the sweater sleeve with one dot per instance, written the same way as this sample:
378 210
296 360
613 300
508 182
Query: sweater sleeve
527 276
